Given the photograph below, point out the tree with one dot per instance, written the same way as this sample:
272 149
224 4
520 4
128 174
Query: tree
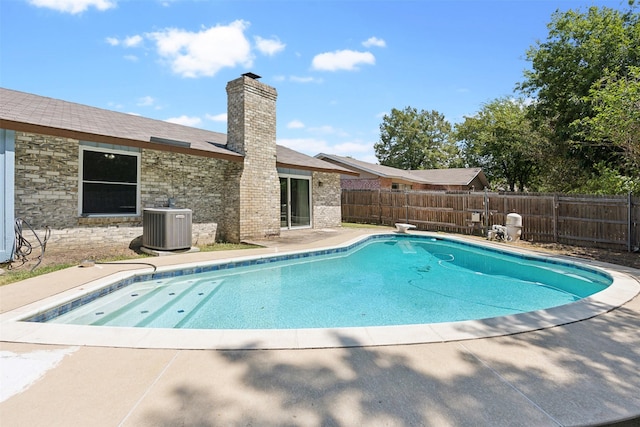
415 140
580 50
502 141
615 102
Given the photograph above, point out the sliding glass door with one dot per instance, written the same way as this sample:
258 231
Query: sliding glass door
295 202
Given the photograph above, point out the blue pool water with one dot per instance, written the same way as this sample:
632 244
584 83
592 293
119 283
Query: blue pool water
388 280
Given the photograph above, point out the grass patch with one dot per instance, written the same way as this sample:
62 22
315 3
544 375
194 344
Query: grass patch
226 247
24 272
17 275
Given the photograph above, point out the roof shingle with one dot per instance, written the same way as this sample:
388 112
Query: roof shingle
33 113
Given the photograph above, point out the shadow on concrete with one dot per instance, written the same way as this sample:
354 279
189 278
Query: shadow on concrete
584 373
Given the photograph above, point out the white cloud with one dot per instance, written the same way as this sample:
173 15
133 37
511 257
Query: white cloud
328 130
146 101
312 146
357 149
185 120
74 6
297 79
352 147
204 53
131 58
308 146
222 117
269 47
132 41
374 41
369 157
295 124
342 60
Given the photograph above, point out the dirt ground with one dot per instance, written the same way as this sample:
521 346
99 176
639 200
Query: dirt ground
59 256
628 259
56 256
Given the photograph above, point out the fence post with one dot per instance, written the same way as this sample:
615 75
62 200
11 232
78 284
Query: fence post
555 218
379 207
406 206
629 229
486 213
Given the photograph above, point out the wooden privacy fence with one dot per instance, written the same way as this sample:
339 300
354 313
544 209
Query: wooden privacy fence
596 221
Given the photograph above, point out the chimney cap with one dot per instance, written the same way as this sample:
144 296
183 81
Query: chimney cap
252 75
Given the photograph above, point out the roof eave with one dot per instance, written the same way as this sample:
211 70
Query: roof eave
378 173
314 169
108 139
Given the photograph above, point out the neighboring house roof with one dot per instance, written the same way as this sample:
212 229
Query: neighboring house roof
379 170
26 112
288 158
452 176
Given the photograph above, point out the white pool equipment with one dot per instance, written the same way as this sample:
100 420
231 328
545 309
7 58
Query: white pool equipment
514 226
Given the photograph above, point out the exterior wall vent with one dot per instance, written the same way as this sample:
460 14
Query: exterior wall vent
166 229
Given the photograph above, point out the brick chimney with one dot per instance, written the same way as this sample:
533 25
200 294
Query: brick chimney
251 131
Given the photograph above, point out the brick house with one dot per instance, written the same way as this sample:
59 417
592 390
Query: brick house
88 173
373 177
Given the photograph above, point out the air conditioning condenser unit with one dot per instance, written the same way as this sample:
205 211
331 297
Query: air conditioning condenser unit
166 229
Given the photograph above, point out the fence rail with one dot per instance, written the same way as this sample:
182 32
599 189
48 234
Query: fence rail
596 221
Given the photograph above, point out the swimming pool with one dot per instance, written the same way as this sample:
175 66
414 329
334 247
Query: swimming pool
66 289
383 281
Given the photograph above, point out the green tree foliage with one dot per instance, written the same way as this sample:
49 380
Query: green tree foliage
502 141
581 50
616 122
606 180
412 139
615 103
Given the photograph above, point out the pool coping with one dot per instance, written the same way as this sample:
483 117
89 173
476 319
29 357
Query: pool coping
623 289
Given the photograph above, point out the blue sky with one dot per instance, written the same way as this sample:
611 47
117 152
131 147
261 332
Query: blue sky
338 66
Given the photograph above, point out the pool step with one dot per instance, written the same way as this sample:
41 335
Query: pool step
141 304
171 311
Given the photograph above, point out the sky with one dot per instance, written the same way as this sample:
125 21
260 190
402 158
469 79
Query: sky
338 66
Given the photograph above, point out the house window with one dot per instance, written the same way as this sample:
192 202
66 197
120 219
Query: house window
403 187
109 181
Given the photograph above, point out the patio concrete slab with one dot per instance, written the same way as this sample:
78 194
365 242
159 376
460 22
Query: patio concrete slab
582 373
90 387
349 387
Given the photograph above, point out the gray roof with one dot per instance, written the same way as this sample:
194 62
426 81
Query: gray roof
452 176
35 113
380 170
26 112
291 158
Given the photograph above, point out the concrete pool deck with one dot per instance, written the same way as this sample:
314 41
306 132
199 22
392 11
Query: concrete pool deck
581 373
